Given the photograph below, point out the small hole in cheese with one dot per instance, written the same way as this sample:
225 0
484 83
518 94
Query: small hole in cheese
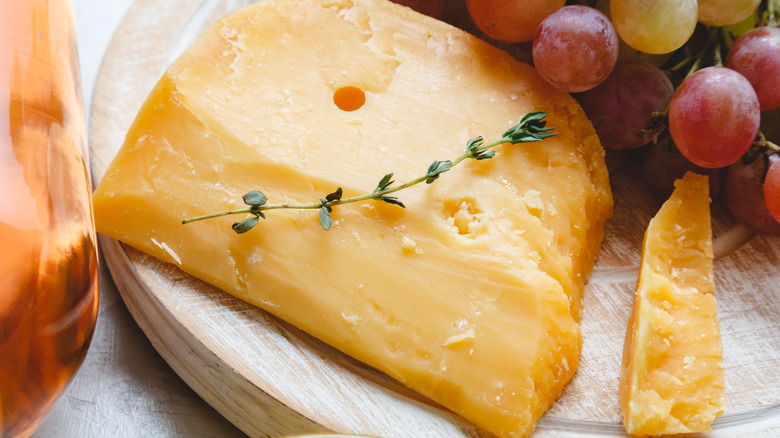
464 215
349 98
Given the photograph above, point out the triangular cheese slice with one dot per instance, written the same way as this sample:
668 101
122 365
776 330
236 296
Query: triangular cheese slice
471 294
672 378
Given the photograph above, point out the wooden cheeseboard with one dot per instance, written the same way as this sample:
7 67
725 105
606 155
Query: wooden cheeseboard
270 379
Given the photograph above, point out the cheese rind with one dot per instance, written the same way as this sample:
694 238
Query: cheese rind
672 378
471 294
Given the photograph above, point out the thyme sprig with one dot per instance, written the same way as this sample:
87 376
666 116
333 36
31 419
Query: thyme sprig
532 128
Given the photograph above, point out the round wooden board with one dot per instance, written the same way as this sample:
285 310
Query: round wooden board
270 379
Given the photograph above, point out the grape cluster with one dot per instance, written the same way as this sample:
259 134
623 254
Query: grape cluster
694 83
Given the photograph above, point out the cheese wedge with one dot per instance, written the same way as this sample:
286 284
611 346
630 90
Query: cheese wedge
672 375
471 294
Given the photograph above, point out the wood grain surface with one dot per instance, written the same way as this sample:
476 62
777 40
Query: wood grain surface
270 379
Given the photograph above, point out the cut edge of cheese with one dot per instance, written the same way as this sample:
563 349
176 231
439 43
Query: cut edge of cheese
469 296
672 376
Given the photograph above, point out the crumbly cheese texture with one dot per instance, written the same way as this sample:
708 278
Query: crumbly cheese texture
672 378
471 294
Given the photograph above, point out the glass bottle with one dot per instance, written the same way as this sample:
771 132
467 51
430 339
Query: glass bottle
48 252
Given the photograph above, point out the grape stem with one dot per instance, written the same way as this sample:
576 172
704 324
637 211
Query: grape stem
762 141
680 65
772 8
771 145
695 67
716 54
713 43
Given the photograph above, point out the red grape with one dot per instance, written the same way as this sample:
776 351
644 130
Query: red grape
621 107
512 21
663 165
756 55
745 196
575 48
714 117
772 190
433 8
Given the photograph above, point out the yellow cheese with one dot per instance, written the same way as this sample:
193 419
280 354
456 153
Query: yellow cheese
471 294
672 376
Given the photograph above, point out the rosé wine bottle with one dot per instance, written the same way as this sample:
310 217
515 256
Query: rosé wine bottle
48 252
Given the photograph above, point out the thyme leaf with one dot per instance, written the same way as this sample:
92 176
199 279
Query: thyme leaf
325 220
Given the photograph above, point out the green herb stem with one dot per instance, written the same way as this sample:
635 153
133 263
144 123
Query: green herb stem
530 129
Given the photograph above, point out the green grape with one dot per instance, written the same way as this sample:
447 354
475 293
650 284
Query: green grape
654 26
725 12
627 53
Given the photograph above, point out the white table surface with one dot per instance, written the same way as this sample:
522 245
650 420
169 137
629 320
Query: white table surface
124 389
